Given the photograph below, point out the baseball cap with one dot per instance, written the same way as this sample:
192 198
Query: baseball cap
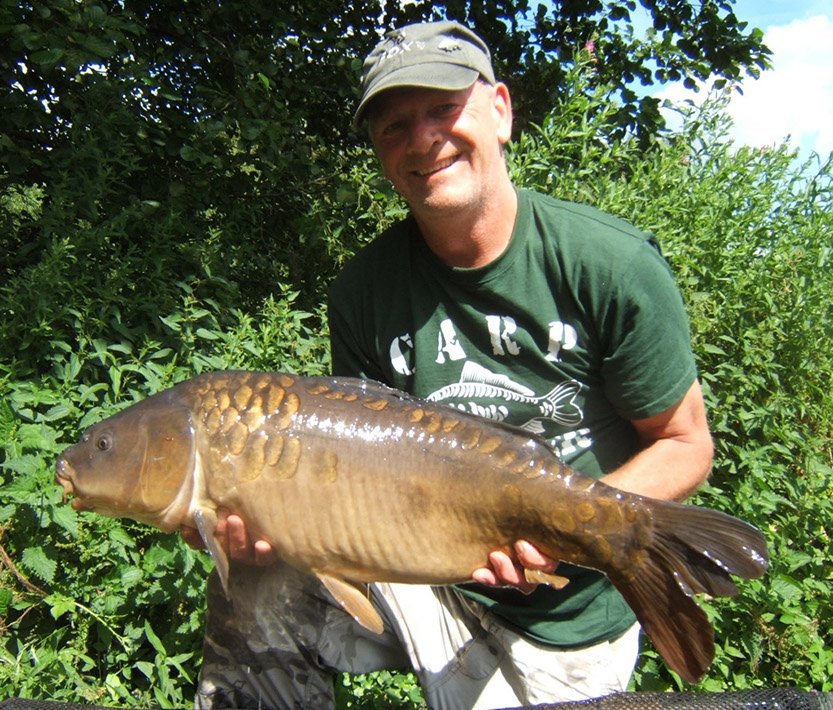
433 55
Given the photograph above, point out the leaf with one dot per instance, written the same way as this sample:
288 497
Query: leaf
47 56
157 556
38 562
6 512
124 348
67 518
59 605
787 588
119 535
154 639
146 668
27 465
58 411
38 437
711 349
131 576
206 334
173 321
6 597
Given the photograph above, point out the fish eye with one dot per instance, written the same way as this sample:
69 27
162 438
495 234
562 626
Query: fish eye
102 443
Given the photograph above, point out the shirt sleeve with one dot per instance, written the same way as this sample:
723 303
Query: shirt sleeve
648 364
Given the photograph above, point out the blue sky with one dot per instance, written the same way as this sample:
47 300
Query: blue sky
765 13
794 100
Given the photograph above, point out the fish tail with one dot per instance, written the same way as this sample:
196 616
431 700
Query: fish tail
694 551
563 390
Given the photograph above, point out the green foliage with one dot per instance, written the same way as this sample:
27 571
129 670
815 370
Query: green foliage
386 689
197 74
215 135
160 220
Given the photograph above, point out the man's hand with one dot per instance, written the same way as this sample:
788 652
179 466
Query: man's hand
232 536
507 572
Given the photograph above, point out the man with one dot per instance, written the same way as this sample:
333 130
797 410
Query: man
510 305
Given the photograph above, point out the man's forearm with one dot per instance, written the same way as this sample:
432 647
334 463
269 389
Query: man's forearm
668 469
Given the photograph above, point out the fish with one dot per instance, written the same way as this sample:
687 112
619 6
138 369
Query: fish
355 482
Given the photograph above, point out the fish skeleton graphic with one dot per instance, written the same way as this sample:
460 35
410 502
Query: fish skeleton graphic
479 387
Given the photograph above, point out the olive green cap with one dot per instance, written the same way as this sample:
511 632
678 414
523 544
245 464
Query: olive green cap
432 55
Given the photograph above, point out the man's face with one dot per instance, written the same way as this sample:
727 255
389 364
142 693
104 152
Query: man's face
442 149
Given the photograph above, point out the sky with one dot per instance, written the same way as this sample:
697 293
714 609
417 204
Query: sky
793 101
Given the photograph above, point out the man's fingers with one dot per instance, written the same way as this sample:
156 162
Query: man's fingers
531 558
485 576
509 572
506 571
264 554
242 549
239 546
233 537
503 573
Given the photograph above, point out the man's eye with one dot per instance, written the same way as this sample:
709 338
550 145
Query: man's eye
445 109
392 128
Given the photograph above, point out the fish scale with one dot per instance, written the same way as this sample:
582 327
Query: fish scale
354 482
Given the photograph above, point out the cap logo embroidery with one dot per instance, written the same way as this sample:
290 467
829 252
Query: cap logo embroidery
449 45
400 48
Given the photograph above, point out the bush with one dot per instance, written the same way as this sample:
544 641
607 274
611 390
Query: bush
108 611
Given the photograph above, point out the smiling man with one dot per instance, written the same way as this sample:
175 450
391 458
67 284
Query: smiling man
507 304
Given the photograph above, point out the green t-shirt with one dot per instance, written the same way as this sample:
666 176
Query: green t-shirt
574 330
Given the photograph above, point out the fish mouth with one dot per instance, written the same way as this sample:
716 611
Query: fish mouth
63 472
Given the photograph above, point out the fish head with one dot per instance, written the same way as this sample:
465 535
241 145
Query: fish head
136 464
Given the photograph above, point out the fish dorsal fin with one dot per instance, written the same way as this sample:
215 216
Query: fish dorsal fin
371 387
353 601
206 520
473 372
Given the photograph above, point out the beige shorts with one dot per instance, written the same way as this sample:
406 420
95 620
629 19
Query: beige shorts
279 640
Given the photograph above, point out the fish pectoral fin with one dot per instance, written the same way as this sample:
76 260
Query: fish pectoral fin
536 576
206 521
354 601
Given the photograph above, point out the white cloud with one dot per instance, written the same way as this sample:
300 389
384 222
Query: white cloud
792 100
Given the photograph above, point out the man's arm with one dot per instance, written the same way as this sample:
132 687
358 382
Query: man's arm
676 455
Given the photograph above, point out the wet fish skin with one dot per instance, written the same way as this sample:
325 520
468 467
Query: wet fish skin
354 482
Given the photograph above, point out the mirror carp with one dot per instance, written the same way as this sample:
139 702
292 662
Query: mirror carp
355 482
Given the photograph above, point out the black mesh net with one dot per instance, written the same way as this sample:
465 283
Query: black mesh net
772 699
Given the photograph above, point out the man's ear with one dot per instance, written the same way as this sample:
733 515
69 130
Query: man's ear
503 111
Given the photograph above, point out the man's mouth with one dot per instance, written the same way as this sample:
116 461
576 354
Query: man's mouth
436 167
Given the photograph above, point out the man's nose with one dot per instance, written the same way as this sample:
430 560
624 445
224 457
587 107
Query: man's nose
423 135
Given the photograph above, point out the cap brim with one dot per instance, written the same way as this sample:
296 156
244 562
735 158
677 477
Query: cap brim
428 75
